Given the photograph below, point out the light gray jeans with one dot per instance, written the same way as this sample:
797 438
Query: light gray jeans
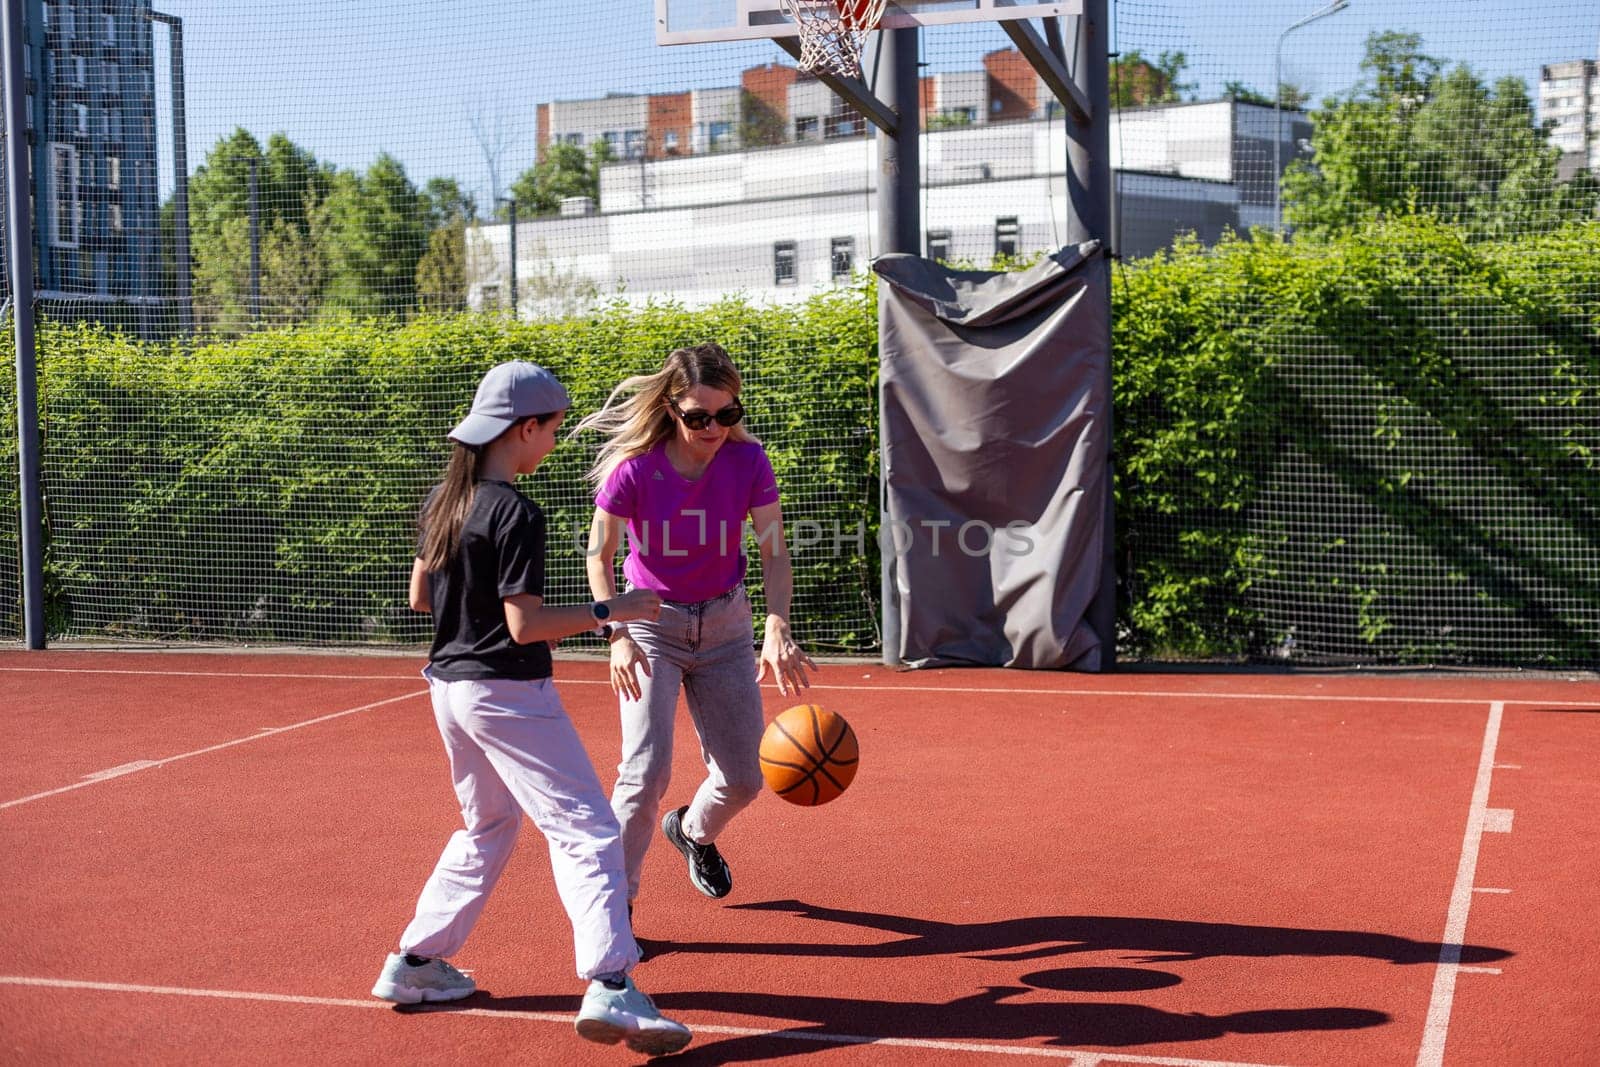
707 650
512 750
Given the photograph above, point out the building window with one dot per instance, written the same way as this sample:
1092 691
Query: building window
633 144
1005 235
842 256
66 210
843 122
939 245
82 112
111 29
721 134
806 129
574 139
670 141
783 263
113 172
114 216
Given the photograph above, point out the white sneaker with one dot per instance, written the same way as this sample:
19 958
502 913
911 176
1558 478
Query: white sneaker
434 980
628 1014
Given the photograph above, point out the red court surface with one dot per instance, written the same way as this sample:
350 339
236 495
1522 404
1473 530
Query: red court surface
209 855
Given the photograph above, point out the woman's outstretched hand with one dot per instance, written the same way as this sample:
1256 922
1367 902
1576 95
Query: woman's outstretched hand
786 659
627 660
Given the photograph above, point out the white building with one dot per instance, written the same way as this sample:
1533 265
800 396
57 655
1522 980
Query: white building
780 223
694 121
1569 101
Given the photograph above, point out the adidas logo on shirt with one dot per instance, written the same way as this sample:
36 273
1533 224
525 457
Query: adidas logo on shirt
658 477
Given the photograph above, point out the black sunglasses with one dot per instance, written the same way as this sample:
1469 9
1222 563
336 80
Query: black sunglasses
731 415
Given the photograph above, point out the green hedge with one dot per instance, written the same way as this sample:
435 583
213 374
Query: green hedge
266 488
1381 448
1378 448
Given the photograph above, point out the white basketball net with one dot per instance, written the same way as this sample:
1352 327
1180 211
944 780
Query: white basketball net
831 32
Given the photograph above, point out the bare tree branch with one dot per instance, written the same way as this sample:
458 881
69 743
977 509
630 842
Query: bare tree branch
495 135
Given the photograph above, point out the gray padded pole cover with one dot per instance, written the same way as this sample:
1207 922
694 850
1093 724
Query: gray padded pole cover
996 429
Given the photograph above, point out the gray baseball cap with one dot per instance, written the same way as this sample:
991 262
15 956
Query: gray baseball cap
509 392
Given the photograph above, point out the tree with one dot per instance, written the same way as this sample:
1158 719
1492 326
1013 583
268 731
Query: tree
1136 82
1241 93
760 124
441 272
1290 95
444 202
291 190
378 233
495 135
566 170
1414 138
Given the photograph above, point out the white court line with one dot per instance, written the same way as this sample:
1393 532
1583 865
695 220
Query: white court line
1078 1058
217 674
1437 1028
996 690
144 765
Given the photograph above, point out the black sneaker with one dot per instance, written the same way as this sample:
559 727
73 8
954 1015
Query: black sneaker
707 869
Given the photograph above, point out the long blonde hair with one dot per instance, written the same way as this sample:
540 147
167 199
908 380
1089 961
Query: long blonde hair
639 420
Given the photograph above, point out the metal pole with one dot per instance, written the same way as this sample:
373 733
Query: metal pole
1089 192
19 227
899 230
255 241
1277 108
180 170
1277 135
512 214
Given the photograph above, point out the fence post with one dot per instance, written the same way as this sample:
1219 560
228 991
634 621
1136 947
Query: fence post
19 226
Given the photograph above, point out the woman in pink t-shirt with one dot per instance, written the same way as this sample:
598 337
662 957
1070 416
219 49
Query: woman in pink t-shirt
681 474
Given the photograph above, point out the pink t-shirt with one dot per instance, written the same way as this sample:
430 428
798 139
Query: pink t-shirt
686 539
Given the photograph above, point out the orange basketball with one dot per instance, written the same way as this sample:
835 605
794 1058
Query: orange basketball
808 755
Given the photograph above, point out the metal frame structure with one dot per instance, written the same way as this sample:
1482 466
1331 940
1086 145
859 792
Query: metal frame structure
1071 53
19 235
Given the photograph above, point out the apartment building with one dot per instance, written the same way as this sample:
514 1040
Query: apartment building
776 104
91 116
1569 101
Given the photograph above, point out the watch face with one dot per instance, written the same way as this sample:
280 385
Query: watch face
601 611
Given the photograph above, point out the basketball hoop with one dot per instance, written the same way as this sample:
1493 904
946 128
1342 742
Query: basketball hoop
831 32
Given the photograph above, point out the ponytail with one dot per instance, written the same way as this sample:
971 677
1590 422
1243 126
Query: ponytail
445 512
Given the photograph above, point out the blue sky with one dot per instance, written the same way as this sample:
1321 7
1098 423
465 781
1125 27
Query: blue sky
348 79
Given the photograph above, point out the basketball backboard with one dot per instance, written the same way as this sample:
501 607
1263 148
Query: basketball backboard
702 21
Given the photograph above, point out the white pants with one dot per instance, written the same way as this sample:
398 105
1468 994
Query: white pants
512 749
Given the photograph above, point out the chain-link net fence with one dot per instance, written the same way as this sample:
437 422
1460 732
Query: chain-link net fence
1371 439
1402 463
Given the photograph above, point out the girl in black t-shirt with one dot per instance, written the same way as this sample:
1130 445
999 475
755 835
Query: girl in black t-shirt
480 573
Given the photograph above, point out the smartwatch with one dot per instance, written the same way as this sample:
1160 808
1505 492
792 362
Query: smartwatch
602 615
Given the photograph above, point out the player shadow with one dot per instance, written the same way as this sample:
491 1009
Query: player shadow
1141 940
997 1014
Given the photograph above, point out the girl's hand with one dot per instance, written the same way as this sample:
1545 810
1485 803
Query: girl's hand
787 659
627 659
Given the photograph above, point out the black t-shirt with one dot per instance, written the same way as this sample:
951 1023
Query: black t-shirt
501 554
